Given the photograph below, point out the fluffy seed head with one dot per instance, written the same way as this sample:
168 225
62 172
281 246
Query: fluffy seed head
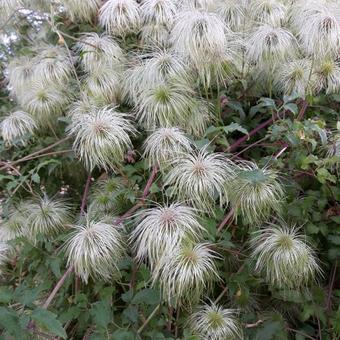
81 10
16 125
199 36
161 229
166 104
215 322
284 257
294 77
7 7
12 227
20 72
327 75
270 12
53 64
195 4
152 69
187 272
4 253
319 30
270 45
103 85
155 35
159 12
101 137
94 248
45 103
233 12
120 17
200 178
255 193
99 51
45 216
164 145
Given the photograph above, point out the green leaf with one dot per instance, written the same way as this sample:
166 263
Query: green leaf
49 321
234 127
35 178
268 331
148 296
9 321
131 313
293 108
123 335
323 175
101 313
6 294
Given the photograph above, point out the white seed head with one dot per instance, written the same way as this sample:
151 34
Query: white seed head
152 69
283 257
7 8
52 64
327 74
45 103
13 226
94 248
16 125
164 145
161 229
4 253
200 178
270 45
255 193
99 51
195 4
157 35
215 323
199 36
120 17
319 30
160 12
233 13
166 104
187 272
20 72
81 10
270 12
295 77
200 116
103 85
101 137
45 216
107 196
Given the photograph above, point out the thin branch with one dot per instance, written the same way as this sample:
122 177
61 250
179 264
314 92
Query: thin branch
57 287
140 330
23 159
229 217
302 110
331 285
225 290
301 333
253 132
85 194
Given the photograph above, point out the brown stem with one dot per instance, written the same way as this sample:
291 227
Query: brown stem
225 290
148 319
253 132
85 194
57 287
331 285
37 152
228 217
302 110
301 333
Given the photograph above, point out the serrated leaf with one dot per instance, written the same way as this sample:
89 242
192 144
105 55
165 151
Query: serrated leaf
268 331
234 127
49 321
101 313
292 107
9 321
6 294
148 296
131 313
